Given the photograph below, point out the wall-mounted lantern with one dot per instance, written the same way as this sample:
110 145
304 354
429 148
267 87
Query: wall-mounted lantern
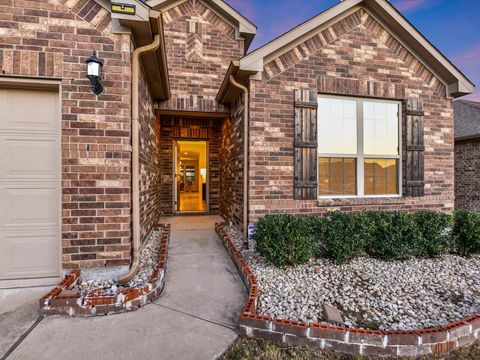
94 73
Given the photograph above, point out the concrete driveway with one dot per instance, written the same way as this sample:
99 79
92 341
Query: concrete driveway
195 317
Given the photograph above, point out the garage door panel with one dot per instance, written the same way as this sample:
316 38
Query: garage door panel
30 255
29 206
27 157
22 109
30 178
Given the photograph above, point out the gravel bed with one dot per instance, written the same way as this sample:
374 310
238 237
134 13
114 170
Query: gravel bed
148 262
370 294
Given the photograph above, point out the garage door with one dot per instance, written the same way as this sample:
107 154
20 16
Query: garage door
29 184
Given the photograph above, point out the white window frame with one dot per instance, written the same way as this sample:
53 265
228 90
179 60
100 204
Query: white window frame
360 155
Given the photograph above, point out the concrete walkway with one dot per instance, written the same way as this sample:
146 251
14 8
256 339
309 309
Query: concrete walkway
195 317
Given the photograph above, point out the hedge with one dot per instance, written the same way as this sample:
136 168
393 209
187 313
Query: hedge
286 240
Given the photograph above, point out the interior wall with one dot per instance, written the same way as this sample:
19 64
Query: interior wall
185 128
149 127
231 184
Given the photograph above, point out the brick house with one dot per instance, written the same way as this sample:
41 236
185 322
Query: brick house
350 110
467 154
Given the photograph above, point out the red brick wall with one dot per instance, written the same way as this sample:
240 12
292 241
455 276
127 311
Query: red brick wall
359 57
200 46
149 148
54 38
467 174
231 154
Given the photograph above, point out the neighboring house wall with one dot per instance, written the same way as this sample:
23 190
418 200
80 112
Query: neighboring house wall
50 38
231 180
467 174
179 128
355 57
200 46
149 153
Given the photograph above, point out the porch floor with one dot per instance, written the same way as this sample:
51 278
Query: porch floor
196 317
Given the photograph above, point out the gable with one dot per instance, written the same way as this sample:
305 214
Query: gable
401 36
217 12
196 10
360 21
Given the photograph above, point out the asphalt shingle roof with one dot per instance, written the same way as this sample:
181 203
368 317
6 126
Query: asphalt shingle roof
467 118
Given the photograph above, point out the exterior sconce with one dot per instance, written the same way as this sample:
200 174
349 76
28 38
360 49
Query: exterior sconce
94 73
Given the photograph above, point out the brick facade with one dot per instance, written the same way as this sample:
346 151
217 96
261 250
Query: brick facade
358 57
50 38
467 174
231 154
149 154
200 46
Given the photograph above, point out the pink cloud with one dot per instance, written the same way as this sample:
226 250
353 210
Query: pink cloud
244 7
469 57
406 5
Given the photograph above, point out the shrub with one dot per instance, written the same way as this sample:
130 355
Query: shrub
315 228
345 236
393 235
282 240
435 230
466 232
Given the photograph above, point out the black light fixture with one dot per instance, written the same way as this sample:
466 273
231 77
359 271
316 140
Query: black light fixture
94 73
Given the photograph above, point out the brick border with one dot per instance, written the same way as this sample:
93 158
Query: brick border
92 304
339 338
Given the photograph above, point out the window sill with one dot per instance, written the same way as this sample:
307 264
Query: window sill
358 201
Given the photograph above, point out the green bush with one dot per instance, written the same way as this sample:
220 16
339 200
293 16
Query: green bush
315 228
282 240
466 232
345 236
435 234
286 240
393 235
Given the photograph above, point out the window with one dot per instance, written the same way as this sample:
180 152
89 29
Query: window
358 147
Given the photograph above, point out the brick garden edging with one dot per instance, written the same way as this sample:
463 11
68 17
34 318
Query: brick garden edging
342 339
62 301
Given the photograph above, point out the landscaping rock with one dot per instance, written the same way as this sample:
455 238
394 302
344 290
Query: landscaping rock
332 315
148 261
371 294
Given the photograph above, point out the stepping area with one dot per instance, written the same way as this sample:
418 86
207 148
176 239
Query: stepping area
196 317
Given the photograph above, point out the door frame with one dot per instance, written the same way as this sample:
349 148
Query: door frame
174 175
42 84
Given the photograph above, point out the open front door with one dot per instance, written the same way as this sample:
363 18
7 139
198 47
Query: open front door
190 163
176 176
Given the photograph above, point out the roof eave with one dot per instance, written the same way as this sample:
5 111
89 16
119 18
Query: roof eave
468 137
144 25
228 93
456 82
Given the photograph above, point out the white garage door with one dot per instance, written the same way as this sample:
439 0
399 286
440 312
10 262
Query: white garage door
29 184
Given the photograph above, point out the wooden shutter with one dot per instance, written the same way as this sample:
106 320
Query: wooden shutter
306 183
415 156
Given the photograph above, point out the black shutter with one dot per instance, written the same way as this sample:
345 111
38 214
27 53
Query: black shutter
415 156
306 183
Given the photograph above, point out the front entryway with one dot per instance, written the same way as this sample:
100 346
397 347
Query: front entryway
191 176
29 186
196 317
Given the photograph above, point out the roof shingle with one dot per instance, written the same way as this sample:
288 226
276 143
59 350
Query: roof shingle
467 119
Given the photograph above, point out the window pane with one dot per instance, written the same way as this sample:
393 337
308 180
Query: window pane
337 176
337 126
380 128
381 176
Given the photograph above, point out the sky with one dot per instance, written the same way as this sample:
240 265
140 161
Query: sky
437 20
